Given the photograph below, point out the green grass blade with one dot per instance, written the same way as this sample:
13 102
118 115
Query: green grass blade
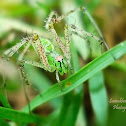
14 115
81 119
3 123
4 101
82 75
67 99
99 98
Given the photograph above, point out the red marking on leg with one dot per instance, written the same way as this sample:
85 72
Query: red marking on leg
44 56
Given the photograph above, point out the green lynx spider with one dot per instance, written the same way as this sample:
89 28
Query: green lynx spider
50 59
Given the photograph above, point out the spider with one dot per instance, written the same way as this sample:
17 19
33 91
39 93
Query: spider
50 59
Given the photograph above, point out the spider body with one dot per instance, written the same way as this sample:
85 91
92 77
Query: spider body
56 61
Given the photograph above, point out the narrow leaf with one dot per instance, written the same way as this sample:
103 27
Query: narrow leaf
4 101
3 123
14 115
99 98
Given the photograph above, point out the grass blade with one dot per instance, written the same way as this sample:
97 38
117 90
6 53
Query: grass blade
4 101
99 98
14 115
3 123
82 75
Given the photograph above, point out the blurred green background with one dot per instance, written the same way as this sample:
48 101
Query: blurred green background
18 17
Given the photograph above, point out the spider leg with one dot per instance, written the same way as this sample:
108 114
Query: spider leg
14 49
37 64
92 21
58 80
21 65
67 14
85 34
24 51
95 25
97 29
49 26
67 40
84 38
40 51
49 20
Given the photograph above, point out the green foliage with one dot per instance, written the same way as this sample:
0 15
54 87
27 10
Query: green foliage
13 115
68 107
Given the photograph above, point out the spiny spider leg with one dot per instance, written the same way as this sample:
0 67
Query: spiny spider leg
82 37
90 18
14 49
58 80
85 12
49 26
24 51
40 50
53 13
37 64
21 65
101 40
67 14
67 41
34 40
74 29
97 28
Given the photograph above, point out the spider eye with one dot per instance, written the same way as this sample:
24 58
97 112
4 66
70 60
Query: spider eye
59 58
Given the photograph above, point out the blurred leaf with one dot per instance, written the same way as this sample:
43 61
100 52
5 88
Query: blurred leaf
16 10
3 123
119 66
81 119
4 101
44 6
82 75
99 98
14 115
7 24
7 69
